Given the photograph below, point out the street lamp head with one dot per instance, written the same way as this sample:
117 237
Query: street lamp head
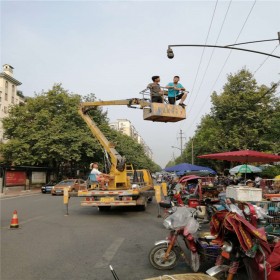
170 53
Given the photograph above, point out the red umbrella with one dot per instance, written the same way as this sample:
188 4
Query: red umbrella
243 156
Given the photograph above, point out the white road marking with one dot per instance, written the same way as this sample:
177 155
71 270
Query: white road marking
109 254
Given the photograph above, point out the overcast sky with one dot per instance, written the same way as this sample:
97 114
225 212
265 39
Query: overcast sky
112 48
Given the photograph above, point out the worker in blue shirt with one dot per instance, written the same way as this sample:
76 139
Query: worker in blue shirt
176 92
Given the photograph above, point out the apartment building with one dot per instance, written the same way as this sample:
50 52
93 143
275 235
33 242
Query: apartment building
125 126
9 95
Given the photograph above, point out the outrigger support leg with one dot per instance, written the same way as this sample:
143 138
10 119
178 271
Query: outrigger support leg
66 199
159 212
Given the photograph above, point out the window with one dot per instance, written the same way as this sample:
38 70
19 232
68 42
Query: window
5 110
13 90
6 86
13 99
6 96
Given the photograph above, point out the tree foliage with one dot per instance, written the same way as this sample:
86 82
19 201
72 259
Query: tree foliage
244 115
47 131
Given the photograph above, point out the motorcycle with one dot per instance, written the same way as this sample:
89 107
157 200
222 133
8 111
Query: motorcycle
182 224
244 244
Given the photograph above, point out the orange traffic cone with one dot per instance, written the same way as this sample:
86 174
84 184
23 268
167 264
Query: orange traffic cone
14 221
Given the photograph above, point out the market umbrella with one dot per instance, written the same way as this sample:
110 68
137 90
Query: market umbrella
245 168
244 156
187 168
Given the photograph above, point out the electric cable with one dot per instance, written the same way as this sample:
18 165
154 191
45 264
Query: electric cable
265 60
274 86
234 43
213 50
252 7
213 15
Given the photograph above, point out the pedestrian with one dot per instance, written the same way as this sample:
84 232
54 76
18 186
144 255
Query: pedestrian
258 181
155 90
250 183
174 94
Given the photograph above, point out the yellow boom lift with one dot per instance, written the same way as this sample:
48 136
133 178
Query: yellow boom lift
125 186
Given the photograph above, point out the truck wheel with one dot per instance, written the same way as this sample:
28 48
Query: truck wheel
104 208
150 199
156 257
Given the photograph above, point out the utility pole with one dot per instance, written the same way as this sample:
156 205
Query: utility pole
181 141
192 152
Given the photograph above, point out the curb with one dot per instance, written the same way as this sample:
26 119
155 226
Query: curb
19 193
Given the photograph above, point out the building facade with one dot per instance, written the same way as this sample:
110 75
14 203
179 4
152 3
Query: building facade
125 126
9 94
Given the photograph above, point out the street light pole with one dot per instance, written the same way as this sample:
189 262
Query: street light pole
181 149
192 153
170 53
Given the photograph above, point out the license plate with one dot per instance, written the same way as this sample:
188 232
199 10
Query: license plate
107 199
58 191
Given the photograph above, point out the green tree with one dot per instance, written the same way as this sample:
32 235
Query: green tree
245 113
244 116
48 131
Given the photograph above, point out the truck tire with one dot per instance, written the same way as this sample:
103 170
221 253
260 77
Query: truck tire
156 256
104 208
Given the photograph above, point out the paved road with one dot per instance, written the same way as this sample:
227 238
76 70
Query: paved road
52 246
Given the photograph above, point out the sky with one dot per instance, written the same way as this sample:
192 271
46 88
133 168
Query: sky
113 48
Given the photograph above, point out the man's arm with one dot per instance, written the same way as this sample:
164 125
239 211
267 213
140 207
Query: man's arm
170 86
179 87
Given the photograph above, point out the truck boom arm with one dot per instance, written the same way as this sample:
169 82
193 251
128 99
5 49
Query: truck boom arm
132 103
118 162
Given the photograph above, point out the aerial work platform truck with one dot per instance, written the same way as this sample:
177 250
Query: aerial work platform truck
124 186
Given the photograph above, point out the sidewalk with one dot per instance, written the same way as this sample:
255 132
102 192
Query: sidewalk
13 193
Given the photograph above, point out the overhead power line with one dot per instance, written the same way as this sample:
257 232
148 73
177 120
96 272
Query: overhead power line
251 9
234 43
201 57
273 87
265 60
213 50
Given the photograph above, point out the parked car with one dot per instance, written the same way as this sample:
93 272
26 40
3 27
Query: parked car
48 187
71 184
